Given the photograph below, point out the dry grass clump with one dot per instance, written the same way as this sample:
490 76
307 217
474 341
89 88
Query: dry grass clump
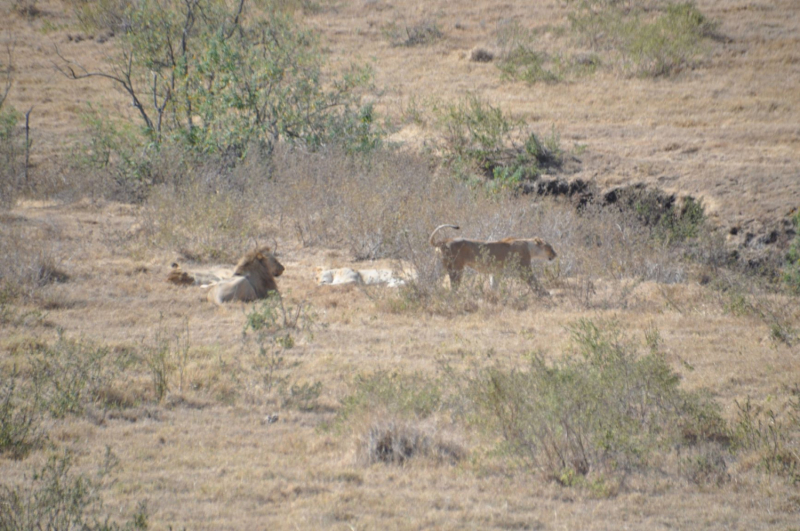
396 442
372 206
481 55
387 204
743 295
771 432
26 263
396 417
211 214
419 34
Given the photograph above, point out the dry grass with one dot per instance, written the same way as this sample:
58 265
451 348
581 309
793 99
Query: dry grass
212 431
223 448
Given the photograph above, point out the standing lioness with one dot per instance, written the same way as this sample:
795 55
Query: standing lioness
490 257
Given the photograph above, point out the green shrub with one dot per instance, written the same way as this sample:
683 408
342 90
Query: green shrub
55 498
275 324
276 317
670 42
602 408
519 59
116 152
202 75
20 418
674 225
791 268
12 145
527 65
69 374
643 43
478 135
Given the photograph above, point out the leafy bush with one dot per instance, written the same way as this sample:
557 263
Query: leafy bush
275 317
519 60
791 269
118 155
20 419
602 408
478 135
56 498
204 75
669 221
527 65
12 145
69 374
275 324
670 42
644 44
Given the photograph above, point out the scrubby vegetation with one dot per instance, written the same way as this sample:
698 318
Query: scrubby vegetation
603 409
244 130
55 497
640 38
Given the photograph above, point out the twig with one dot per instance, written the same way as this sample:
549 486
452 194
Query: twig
27 145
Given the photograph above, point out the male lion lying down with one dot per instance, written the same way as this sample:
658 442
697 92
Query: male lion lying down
490 257
253 278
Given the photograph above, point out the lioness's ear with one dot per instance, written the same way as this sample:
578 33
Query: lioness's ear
260 256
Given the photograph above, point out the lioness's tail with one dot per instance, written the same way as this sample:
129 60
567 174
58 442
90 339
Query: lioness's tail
430 240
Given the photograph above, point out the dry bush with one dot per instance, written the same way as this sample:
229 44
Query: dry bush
26 263
371 206
421 33
396 417
102 14
388 204
743 295
395 442
20 419
385 205
209 214
54 496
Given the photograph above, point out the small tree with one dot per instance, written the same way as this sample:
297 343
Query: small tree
216 78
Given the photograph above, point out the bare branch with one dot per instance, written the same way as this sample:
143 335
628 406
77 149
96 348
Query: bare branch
123 78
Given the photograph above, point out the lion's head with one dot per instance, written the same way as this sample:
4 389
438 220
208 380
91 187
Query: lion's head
254 278
260 263
541 249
